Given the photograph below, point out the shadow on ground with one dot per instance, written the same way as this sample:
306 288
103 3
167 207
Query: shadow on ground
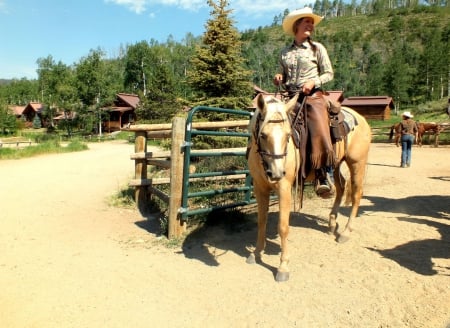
229 231
417 255
238 235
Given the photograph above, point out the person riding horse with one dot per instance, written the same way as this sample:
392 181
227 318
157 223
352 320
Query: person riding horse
304 67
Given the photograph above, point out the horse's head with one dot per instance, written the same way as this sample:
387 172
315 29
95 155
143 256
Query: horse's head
271 133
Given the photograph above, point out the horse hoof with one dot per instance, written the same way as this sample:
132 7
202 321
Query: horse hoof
282 276
342 239
251 259
332 230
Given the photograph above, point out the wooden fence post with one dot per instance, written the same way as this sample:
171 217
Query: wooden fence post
140 170
176 226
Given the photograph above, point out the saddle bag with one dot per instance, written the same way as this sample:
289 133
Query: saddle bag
338 128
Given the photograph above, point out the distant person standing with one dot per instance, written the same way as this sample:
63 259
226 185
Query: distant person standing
408 130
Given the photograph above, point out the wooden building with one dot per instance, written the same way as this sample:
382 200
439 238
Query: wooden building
121 113
371 107
29 113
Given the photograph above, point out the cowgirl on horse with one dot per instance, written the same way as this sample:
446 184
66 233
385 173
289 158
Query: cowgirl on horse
304 67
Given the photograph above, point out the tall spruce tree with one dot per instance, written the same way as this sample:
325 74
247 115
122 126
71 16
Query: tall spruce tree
217 69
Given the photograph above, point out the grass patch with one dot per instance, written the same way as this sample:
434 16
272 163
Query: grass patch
124 198
47 147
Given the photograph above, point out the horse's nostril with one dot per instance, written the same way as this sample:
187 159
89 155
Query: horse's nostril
269 173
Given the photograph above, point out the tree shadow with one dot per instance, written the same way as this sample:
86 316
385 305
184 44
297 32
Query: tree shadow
417 255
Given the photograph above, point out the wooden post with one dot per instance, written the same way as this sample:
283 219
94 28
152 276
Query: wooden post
140 170
176 226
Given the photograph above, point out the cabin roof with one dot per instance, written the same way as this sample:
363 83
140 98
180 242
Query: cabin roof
368 101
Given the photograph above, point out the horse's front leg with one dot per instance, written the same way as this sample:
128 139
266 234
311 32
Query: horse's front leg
262 199
284 196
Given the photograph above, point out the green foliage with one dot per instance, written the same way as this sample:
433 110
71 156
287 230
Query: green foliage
8 123
225 102
403 52
37 124
19 92
217 66
124 198
216 142
48 147
90 78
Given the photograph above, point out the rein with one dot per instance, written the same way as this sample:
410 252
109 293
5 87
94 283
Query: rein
257 129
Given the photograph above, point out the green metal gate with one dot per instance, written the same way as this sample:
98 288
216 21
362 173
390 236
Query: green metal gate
245 189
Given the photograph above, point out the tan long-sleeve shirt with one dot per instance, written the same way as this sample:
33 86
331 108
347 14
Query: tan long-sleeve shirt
299 64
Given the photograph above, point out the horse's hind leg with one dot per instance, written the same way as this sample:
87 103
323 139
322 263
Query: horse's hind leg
340 187
357 171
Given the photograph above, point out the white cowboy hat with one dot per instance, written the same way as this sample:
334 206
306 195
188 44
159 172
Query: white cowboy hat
291 18
407 114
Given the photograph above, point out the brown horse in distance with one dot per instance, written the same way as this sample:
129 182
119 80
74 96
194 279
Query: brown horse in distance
397 129
434 128
422 128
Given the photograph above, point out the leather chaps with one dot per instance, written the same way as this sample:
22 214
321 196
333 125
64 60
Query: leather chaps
322 152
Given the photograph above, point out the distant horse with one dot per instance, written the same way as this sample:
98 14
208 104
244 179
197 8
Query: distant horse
274 163
422 128
432 127
398 133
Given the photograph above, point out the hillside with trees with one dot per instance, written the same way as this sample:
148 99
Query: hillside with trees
377 48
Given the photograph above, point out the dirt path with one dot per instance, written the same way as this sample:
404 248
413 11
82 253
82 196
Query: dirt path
69 260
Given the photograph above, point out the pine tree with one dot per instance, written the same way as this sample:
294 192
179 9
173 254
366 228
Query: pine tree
218 67
37 124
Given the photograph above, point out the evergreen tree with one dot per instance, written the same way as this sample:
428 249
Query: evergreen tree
8 122
37 124
217 67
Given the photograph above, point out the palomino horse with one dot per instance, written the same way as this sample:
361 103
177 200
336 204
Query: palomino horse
274 162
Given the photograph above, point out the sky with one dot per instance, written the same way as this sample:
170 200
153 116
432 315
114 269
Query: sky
68 30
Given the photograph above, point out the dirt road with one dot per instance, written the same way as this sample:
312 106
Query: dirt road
67 259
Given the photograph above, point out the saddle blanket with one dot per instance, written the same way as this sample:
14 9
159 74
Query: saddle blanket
349 119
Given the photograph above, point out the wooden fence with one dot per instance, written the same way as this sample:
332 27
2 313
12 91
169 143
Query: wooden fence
15 141
383 133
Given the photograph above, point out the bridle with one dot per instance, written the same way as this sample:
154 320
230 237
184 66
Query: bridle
257 136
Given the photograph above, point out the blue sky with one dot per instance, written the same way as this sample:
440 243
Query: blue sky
68 30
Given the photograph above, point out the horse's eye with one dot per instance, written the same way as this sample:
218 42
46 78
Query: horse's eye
263 136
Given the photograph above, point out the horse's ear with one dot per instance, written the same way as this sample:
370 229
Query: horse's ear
260 102
291 104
